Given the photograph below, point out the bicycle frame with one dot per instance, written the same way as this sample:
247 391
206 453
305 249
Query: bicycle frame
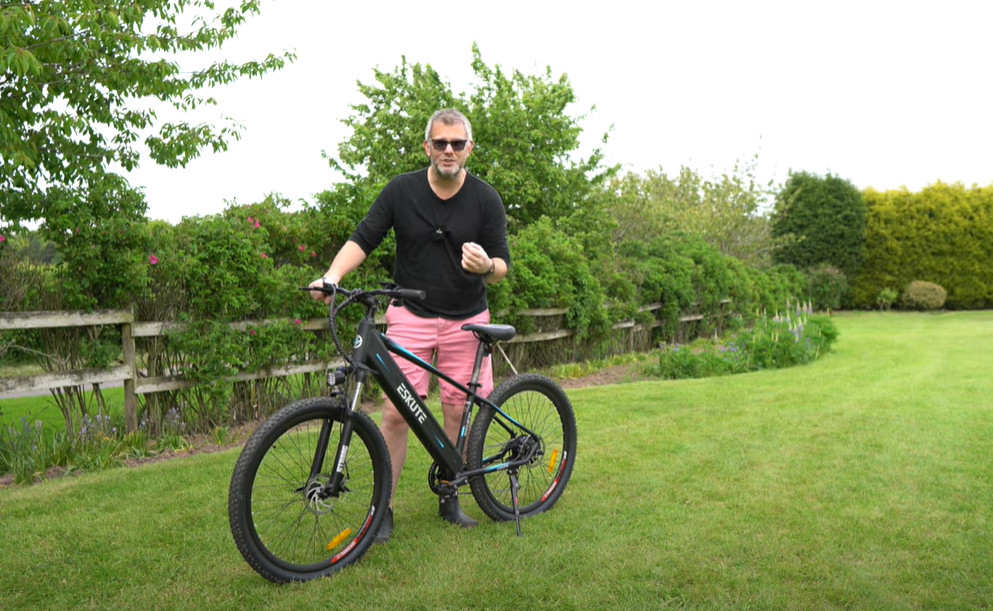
371 348
302 506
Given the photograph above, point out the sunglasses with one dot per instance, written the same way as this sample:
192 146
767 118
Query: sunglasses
440 145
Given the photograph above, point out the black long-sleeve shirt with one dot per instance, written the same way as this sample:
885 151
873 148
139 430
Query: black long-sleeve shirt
430 232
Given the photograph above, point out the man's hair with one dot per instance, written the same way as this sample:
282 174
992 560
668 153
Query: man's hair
448 116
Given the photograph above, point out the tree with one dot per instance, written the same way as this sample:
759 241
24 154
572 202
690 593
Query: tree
71 74
77 80
819 220
526 141
725 212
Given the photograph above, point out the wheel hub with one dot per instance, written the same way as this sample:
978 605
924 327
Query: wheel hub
315 496
526 449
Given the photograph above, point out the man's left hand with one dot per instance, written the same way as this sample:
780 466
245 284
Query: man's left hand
475 260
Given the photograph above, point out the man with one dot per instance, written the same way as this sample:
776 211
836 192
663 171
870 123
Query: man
451 242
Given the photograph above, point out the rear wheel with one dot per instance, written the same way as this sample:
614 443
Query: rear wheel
539 404
286 521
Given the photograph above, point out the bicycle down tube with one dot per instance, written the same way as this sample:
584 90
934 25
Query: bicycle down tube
371 350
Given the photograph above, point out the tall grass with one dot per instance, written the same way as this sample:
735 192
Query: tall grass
860 480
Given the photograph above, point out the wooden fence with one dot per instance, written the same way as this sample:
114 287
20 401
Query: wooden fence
136 384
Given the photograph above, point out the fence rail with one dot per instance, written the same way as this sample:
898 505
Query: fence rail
136 384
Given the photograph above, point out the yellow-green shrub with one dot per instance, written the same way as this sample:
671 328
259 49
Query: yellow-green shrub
943 233
923 295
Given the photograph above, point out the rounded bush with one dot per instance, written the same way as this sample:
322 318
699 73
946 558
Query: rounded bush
922 295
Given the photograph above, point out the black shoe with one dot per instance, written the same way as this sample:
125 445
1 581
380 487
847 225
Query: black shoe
385 528
449 510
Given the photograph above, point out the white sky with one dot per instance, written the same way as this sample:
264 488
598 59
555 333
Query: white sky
882 93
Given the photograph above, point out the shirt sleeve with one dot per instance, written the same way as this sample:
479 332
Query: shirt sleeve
377 222
494 240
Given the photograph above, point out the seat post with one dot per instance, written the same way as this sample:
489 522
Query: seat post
483 350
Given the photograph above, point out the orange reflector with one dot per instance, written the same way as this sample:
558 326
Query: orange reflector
551 461
339 538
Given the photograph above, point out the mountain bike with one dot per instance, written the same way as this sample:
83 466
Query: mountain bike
312 484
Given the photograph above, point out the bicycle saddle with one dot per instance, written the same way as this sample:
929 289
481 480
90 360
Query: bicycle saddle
491 333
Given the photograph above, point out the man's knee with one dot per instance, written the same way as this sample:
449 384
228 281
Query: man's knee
452 410
391 417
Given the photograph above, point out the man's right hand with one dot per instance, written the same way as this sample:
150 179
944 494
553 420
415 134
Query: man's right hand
319 284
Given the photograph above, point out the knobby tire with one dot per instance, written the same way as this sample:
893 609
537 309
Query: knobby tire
539 404
286 536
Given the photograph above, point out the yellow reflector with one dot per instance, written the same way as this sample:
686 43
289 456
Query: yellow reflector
551 461
339 538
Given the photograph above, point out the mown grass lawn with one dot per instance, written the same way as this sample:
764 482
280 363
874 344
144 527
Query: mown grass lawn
862 480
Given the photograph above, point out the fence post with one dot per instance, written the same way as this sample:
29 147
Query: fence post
130 397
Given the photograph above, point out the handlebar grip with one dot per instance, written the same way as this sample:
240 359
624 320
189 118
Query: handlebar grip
411 294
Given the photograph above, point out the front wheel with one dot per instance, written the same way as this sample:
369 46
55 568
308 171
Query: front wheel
288 520
541 406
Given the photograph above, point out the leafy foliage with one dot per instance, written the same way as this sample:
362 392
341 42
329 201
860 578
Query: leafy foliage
725 212
943 233
72 73
210 272
820 220
551 271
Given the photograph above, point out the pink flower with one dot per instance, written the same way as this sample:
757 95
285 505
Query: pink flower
265 256
2 239
251 331
301 248
152 259
297 321
313 254
251 221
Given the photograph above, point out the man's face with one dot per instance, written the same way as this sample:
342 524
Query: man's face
447 162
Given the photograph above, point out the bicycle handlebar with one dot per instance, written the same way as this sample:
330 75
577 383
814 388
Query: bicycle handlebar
367 298
393 292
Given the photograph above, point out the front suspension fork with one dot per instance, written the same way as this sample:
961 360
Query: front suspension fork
336 485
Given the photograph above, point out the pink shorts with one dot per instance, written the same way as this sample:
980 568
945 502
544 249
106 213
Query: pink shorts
455 349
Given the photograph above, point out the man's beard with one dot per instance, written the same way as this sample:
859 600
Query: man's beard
447 174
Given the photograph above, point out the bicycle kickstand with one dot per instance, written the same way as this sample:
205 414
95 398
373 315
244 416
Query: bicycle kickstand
514 487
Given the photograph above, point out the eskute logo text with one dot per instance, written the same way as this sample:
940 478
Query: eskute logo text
411 402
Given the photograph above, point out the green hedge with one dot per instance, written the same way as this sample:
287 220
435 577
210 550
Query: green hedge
249 262
942 234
